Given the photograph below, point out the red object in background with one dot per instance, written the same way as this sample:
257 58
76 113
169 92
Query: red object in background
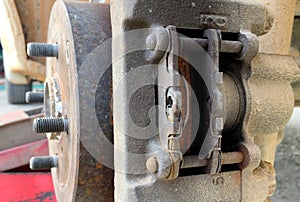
20 155
18 183
13 117
29 187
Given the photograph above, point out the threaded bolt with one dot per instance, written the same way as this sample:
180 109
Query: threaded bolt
42 50
50 124
43 162
34 97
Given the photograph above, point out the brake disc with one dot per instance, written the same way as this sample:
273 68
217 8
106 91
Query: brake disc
77 28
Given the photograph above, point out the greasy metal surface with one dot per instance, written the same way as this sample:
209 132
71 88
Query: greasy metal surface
72 26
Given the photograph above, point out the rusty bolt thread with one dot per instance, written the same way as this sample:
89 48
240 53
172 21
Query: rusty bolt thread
43 162
34 97
50 124
42 50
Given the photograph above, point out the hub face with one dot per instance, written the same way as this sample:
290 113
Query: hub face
78 176
60 87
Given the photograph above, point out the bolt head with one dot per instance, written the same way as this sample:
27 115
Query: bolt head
151 41
152 164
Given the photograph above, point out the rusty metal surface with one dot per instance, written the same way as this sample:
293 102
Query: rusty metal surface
79 176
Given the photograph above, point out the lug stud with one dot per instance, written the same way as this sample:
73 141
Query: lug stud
50 124
34 97
42 50
43 162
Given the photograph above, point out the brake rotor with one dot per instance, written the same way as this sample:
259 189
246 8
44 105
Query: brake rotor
77 28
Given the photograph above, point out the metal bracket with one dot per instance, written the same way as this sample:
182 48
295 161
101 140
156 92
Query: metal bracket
170 98
212 144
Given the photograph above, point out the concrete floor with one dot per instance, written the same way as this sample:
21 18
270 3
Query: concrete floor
287 163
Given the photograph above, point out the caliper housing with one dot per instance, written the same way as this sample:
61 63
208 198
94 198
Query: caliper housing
196 91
